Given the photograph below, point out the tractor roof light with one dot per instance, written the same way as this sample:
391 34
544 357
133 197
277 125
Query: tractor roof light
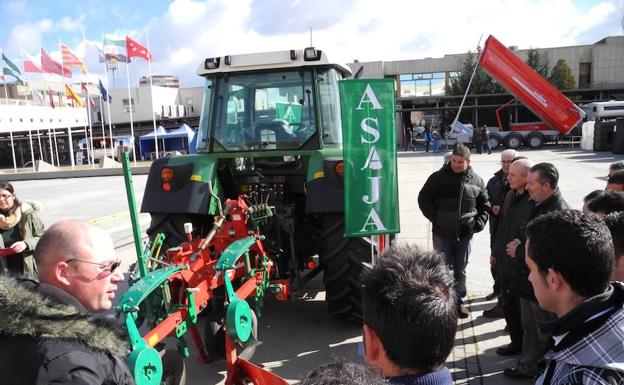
212 63
311 54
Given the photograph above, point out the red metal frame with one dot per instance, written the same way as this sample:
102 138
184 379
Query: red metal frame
535 92
201 275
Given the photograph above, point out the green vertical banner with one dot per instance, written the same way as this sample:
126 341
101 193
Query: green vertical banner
370 158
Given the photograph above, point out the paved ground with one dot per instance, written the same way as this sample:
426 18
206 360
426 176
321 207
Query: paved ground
299 335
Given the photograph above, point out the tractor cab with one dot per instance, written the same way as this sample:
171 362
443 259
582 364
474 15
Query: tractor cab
274 101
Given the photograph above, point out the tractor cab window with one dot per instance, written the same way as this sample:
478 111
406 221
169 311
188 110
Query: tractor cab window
263 111
330 105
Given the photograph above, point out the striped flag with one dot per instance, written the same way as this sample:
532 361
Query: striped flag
115 50
70 59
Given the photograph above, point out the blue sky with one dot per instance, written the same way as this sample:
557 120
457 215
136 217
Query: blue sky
183 32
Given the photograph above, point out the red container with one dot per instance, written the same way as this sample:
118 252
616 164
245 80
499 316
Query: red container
544 100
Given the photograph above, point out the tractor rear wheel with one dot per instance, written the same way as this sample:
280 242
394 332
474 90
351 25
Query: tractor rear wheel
342 260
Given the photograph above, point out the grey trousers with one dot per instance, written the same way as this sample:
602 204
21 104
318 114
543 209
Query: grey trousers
533 341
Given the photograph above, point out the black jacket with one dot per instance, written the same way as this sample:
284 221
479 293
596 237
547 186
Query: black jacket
514 214
497 188
456 204
522 287
48 337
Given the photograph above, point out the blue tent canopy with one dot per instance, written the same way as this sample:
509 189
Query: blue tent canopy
181 139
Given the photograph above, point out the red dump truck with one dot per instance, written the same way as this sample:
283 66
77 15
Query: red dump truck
559 115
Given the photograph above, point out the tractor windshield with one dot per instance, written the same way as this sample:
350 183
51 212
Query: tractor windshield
263 111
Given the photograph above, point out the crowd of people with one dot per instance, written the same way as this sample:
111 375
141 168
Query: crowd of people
521 194
557 274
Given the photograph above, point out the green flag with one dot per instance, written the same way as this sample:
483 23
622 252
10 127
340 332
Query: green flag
290 112
11 65
370 171
8 71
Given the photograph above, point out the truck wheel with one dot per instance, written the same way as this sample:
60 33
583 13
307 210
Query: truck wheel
535 140
494 141
513 141
342 260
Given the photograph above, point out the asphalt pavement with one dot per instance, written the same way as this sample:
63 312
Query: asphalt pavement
299 335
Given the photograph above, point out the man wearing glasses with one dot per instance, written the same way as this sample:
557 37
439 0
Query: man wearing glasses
48 332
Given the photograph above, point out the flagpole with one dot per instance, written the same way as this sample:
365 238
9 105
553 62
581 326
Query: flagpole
32 151
71 147
58 163
6 100
6 94
104 131
90 139
110 124
130 108
149 64
51 147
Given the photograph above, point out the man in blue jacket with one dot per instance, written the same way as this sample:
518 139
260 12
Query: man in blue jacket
455 200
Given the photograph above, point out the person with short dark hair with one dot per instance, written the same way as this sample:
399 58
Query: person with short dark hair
606 203
616 166
615 223
570 256
49 333
589 197
410 316
543 188
616 181
342 372
455 200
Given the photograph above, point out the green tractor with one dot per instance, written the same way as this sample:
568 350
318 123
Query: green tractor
270 129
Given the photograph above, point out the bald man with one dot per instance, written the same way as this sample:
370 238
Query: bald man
48 333
514 213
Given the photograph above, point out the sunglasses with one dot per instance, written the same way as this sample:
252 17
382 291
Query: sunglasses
110 267
5 196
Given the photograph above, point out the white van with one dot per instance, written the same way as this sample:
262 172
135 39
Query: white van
605 110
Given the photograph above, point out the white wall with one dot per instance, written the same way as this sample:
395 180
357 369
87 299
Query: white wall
21 118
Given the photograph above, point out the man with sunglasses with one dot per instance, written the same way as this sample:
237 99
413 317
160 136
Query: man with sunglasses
48 330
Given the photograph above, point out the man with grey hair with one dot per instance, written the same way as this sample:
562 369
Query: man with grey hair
48 330
497 188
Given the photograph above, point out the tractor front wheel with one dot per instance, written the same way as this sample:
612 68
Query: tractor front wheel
342 260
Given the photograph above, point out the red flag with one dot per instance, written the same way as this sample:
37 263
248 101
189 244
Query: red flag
135 49
51 66
31 64
51 99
